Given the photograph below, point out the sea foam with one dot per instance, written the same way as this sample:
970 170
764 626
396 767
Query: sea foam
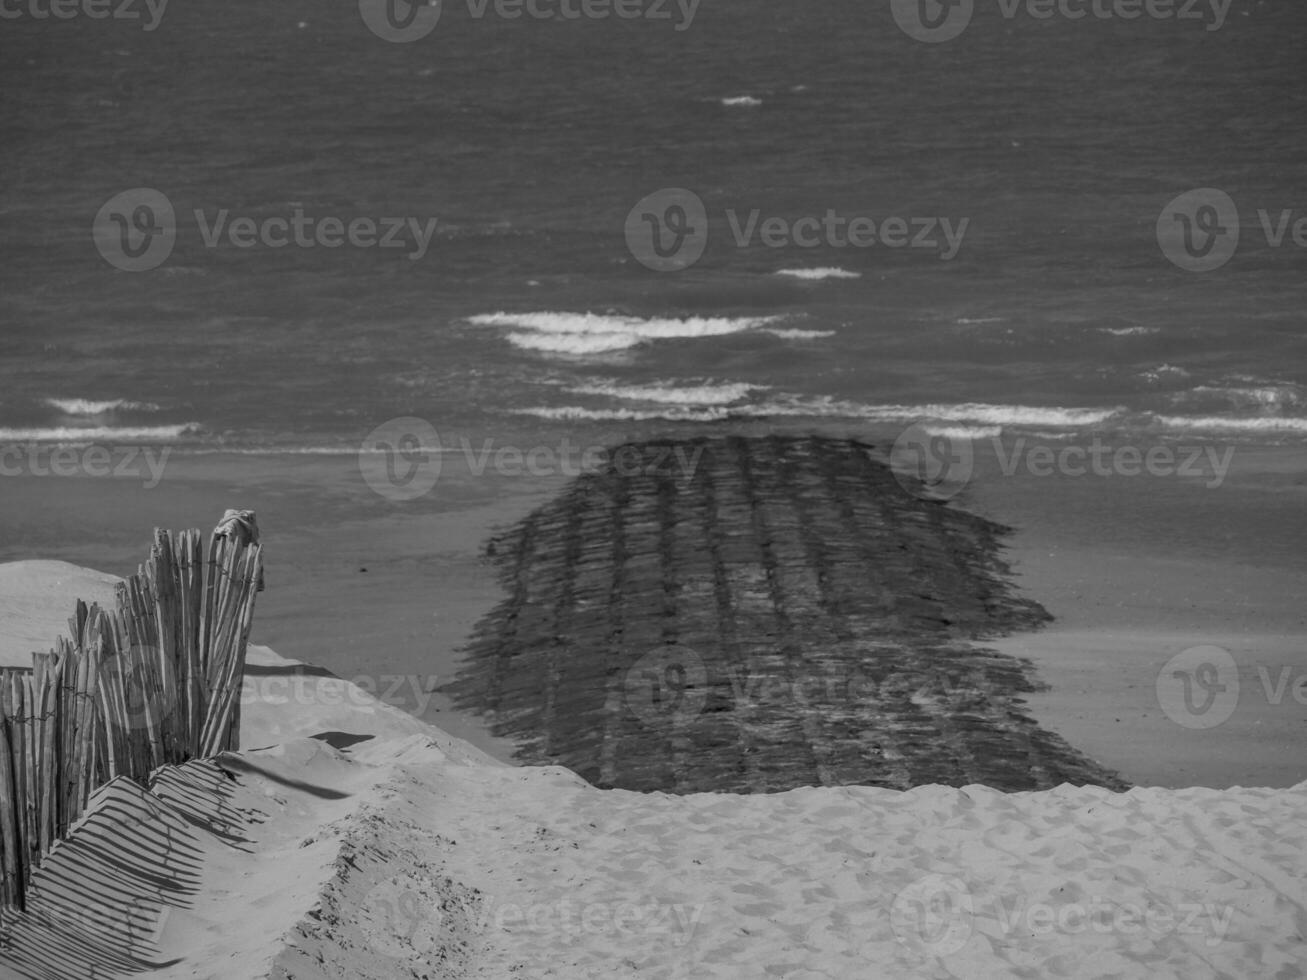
1223 423
671 394
711 404
1272 396
88 408
816 275
589 333
79 435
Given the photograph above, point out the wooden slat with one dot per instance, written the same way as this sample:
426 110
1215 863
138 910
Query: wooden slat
153 681
11 880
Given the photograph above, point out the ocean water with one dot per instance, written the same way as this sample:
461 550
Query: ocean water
1059 143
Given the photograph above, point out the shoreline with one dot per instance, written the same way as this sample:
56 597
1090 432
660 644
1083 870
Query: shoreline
409 854
1080 548
1134 573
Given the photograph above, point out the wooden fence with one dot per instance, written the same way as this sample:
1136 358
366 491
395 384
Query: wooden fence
154 681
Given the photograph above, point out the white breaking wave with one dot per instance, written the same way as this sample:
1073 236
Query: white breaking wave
826 272
971 321
1218 423
703 394
794 333
672 413
741 100
350 451
1013 414
985 419
587 343
86 407
1049 436
1164 371
973 413
964 431
68 434
1129 331
1272 396
589 333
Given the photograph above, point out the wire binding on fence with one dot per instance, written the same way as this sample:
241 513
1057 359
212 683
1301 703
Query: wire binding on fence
154 681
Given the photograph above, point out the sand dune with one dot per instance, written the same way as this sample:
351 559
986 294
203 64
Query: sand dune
411 854
398 859
36 599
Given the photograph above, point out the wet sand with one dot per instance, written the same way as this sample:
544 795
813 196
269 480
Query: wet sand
379 592
1129 568
1137 570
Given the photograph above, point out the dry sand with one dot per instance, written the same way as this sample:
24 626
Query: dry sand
36 600
410 853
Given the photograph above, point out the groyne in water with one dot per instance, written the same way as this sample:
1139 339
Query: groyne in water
754 614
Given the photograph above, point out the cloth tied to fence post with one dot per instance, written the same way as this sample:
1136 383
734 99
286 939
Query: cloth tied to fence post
240 526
